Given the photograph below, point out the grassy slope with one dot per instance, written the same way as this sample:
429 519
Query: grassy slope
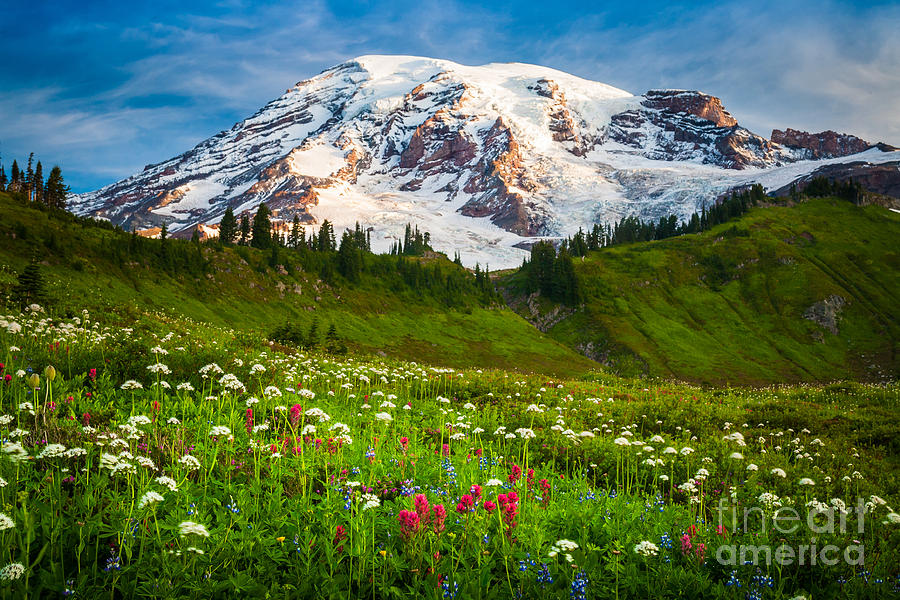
719 307
244 296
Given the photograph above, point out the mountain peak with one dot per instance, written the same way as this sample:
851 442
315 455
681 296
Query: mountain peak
484 157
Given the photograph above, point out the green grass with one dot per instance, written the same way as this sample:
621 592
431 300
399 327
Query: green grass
727 306
286 477
238 289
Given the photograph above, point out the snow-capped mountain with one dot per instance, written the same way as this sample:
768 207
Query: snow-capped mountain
485 158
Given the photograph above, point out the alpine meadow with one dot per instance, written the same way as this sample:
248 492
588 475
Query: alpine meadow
417 328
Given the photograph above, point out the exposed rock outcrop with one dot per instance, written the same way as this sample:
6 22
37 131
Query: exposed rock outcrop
827 144
690 102
826 313
528 149
882 179
683 125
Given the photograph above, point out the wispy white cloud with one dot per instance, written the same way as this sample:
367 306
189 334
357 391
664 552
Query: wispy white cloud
829 67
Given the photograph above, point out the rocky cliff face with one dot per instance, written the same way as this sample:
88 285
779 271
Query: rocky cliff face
679 125
827 144
882 179
479 156
692 103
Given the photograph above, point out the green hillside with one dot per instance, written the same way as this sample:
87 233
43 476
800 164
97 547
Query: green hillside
728 305
86 265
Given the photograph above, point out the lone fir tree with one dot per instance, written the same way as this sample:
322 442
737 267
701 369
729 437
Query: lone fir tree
30 287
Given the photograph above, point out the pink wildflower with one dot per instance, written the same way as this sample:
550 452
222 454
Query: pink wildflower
514 474
409 523
700 551
248 423
296 412
421 504
466 504
340 534
685 544
440 514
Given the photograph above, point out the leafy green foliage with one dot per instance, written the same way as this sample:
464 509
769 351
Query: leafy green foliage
166 458
551 274
730 304
423 308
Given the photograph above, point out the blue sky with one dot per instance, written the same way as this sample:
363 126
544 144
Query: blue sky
103 88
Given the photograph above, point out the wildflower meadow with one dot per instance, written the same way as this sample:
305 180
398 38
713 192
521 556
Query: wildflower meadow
147 456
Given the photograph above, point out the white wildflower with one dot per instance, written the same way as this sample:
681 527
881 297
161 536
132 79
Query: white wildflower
52 451
12 572
167 482
189 462
151 498
191 528
646 549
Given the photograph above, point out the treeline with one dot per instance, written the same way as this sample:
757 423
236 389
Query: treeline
633 229
351 257
347 261
414 243
820 187
29 185
292 334
552 274
550 270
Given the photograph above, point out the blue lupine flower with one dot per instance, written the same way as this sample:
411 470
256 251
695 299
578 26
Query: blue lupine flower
578 590
543 575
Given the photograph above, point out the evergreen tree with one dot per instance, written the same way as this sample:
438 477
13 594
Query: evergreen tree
56 190
245 229
578 245
228 227
333 343
275 234
38 183
14 177
274 255
312 338
325 240
565 283
350 257
29 178
3 180
294 240
261 231
30 287
540 269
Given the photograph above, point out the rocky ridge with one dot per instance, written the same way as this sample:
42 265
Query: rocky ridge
484 157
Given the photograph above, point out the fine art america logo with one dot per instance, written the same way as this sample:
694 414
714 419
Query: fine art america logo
776 523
